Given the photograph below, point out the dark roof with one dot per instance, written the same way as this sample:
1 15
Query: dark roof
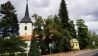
26 18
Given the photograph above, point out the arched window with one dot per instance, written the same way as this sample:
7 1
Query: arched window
25 27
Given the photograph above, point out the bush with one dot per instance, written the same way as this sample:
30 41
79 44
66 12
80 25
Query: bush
92 47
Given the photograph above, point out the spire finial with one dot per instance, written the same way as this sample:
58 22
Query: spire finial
27 1
27 11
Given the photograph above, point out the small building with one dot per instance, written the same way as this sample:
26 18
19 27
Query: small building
74 44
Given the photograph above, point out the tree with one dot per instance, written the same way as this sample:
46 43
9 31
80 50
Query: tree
9 21
38 31
93 40
66 27
56 34
82 33
34 48
11 45
72 29
52 32
63 14
38 24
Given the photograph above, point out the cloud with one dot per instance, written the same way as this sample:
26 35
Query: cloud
42 3
78 9
92 26
86 10
83 9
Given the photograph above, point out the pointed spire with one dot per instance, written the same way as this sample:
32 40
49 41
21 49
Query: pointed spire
27 12
26 18
27 0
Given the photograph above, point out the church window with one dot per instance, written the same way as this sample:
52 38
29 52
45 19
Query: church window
25 27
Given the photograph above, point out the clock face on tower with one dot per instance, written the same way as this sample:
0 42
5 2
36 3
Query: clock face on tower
25 26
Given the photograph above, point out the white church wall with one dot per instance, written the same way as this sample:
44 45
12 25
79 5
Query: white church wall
22 30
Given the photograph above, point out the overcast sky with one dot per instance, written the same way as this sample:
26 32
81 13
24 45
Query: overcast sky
78 9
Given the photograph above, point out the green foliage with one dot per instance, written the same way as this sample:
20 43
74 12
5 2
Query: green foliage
86 38
53 33
82 33
11 45
9 21
63 14
38 24
34 48
67 27
72 29
93 39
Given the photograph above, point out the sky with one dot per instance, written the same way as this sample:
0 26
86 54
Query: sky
77 9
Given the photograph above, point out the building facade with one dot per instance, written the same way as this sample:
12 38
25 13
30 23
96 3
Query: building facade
25 27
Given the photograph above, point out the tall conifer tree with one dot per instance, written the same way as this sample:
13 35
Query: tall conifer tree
82 33
66 30
9 21
63 14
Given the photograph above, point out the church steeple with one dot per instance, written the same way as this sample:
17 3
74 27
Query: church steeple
26 18
27 12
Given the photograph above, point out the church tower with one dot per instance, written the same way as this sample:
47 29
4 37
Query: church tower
25 26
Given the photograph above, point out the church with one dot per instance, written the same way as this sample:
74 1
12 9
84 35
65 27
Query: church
25 27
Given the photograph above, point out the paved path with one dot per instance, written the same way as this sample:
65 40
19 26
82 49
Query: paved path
91 53
70 53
